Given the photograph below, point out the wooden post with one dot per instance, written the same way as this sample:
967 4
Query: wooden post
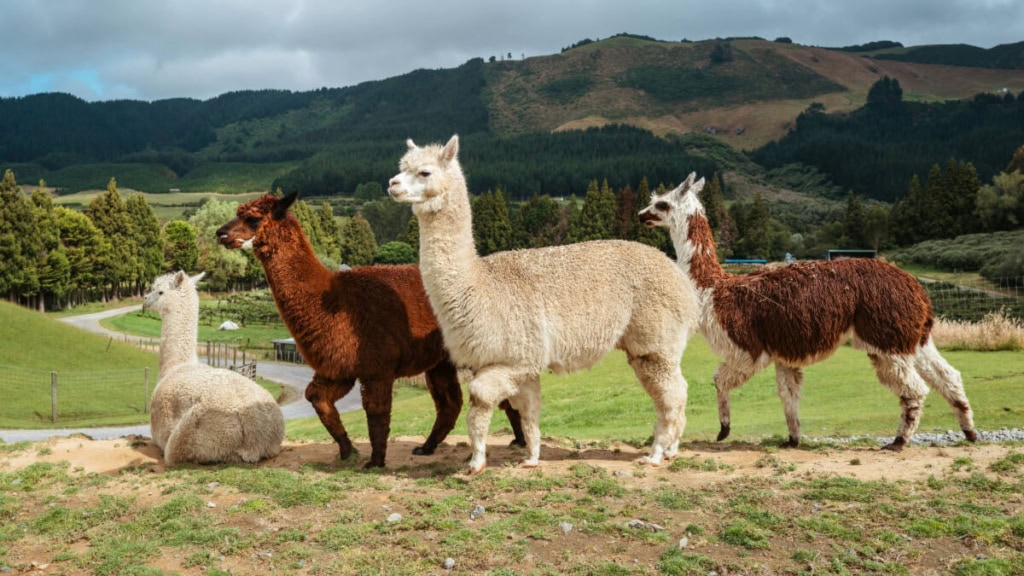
53 396
145 403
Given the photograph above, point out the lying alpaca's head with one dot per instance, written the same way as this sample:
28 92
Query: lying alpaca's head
250 219
173 291
428 175
673 209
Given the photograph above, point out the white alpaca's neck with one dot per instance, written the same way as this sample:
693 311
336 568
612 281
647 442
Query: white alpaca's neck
697 258
178 339
448 258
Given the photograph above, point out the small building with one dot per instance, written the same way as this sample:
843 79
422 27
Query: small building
841 254
285 350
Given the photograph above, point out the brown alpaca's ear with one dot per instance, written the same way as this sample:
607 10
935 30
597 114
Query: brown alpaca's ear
451 149
282 206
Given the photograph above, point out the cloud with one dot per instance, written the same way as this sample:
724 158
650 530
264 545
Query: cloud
106 49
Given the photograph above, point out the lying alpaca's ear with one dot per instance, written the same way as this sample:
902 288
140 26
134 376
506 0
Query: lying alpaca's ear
410 143
195 279
282 206
451 149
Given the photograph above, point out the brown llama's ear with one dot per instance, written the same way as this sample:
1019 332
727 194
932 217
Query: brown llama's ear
451 149
410 144
282 206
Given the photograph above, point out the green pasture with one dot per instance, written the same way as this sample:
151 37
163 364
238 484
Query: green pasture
166 206
147 324
841 397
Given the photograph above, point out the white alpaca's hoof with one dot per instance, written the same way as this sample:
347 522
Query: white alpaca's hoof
527 464
471 471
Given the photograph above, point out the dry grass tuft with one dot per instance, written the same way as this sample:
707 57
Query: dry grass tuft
996 331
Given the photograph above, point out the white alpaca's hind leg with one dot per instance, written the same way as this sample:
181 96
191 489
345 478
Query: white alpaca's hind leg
897 373
789 380
488 388
947 381
664 383
527 402
728 376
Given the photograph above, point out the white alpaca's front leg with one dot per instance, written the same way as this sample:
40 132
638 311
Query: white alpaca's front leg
490 386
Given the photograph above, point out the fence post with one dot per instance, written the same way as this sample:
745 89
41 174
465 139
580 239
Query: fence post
53 396
145 401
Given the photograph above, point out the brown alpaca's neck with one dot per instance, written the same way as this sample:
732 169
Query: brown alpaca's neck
178 339
696 252
294 273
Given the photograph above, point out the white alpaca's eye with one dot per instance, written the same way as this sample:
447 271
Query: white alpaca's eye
424 174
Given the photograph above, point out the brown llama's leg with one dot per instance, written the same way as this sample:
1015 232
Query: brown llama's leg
729 376
897 373
515 420
946 380
322 394
443 385
377 395
789 380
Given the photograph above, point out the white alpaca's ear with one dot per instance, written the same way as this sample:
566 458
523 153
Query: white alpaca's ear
195 279
179 278
451 149
410 143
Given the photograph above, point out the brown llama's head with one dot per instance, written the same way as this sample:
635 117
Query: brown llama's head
674 208
428 176
241 232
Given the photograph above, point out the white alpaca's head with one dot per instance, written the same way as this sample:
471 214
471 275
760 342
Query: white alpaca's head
174 291
428 174
673 209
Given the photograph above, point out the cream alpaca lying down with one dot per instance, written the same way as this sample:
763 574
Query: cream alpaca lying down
200 413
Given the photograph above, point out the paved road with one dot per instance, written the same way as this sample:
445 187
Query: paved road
295 376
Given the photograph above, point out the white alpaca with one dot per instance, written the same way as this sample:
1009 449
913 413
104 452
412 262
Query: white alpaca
200 413
512 315
798 315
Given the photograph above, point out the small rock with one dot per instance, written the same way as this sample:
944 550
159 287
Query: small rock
622 473
636 524
16 481
394 517
816 506
386 508
683 543
211 505
477 512
565 526
449 563
213 484
641 525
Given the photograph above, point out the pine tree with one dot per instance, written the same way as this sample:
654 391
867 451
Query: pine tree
626 222
963 186
936 219
116 267
539 219
876 226
83 243
19 242
906 215
1017 162
854 223
330 230
52 264
722 225
310 223
412 236
358 246
757 241
148 243
597 217
181 251
492 228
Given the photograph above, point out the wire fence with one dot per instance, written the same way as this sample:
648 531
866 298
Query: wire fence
41 396
970 300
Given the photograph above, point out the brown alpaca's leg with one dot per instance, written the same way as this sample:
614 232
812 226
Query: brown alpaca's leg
730 375
443 385
516 421
377 403
947 381
788 381
322 394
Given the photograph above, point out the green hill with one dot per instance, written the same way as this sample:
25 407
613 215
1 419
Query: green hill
38 342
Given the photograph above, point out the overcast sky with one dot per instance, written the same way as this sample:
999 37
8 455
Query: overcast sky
154 49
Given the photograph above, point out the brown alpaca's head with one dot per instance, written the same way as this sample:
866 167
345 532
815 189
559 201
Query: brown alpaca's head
428 175
251 217
674 208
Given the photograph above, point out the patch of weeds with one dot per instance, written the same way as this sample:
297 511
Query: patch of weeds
252 506
889 537
1008 465
855 462
9 507
843 489
287 488
980 483
757 517
985 567
34 476
775 463
536 482
14 447
828 525
962 463
694 463
694 529
677 562
555 497
926 528
984 528
291 535
605 487
65 524
116 555
45 451
344 534
674 499
603 568
804 556
936 484
745 534
201 558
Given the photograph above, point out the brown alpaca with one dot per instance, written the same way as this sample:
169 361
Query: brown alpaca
798 315
372 324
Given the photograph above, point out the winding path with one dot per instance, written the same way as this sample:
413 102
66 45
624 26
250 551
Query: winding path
294 376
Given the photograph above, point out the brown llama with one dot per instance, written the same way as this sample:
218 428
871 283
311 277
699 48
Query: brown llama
372 324
797 315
